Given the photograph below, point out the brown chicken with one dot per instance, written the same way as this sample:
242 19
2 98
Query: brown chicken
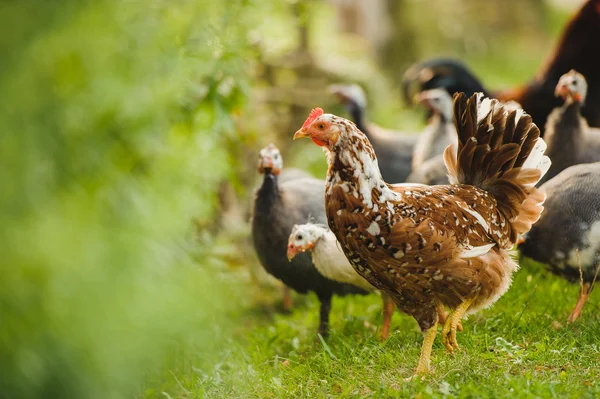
433 246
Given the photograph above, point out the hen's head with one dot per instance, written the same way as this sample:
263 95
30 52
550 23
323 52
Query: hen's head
325 130
572 87
438 101
303 238
269 160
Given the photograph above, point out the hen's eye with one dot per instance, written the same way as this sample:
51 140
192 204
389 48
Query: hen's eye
299 237
321 126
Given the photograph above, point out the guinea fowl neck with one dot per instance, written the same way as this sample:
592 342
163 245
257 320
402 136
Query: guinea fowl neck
565 126
268 193
358 117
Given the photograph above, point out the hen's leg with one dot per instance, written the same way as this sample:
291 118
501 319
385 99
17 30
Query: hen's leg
443 316
424 359
287 299
449 330
388 311
324 311
584 293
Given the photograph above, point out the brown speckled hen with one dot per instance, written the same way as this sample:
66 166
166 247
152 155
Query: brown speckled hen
448 245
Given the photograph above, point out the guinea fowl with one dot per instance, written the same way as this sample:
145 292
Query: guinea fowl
428 162
570 140
573 250
277 207
432 172
394 149
427 246
577 49
331 262
439 132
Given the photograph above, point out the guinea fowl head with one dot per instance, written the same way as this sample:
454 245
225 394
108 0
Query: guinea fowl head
572 87
352 96
438 101
269 160
303 238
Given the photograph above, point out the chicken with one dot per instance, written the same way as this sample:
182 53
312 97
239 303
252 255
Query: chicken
277 207
576 49
573 251
433 171
331 262
439 132
570 140
427 246
394 149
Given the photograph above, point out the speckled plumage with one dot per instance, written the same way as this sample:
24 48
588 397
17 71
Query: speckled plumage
568 233
567 236
427 246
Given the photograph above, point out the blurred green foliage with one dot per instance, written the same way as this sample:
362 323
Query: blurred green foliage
114 118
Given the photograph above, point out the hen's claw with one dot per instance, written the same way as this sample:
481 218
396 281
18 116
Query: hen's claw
452 324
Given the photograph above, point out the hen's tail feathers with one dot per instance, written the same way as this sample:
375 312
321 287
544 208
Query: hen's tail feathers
499 151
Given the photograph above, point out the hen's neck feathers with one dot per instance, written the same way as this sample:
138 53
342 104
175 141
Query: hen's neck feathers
353 166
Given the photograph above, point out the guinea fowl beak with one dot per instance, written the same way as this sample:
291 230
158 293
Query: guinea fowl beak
561 91
419 98
291 252
301 133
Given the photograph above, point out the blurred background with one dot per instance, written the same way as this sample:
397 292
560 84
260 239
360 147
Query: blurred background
130 133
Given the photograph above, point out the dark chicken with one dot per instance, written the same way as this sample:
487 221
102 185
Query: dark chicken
570 140
394 149
278 205
572 250
432 246
578 48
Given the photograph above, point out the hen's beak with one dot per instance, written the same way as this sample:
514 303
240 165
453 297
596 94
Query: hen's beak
301 133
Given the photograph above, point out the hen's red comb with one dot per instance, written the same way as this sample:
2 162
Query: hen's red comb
314 114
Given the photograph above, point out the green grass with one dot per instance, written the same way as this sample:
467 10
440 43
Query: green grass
520 347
